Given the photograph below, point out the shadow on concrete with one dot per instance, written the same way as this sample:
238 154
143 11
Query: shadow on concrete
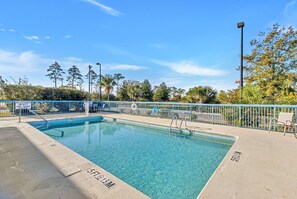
26 173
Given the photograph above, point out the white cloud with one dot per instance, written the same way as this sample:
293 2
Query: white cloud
34 66
189 68
29 61
67 36
105 8
47 37
23 62
9 30
290 9
290 14
35 37
28 37
123 67
32 38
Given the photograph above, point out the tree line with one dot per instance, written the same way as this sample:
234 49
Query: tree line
270 77
131 90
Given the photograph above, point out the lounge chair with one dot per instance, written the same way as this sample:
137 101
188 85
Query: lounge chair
284 119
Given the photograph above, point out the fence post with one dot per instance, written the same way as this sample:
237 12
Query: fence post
20 112
190 113
212 116
274 117
294 125
240 123
13 108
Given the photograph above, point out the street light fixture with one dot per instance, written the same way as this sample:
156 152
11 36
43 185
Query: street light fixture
100 95
241 25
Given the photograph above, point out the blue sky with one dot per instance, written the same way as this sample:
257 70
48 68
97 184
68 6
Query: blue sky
184 43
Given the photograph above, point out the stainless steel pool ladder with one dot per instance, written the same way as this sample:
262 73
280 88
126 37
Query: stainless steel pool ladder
173 118
46 122
183 120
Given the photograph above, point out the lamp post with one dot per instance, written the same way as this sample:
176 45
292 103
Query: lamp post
90 78
241 25
100 95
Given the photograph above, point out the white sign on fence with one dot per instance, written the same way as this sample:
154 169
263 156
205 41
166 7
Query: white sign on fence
23 105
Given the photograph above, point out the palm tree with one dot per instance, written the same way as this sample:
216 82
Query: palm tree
134 90
118 77
108 82
201 94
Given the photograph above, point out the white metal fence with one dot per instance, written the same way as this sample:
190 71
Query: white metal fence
249 116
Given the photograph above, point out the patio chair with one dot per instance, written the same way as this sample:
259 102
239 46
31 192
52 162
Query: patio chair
284 119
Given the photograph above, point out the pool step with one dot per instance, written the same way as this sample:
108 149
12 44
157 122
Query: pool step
60 133
179 131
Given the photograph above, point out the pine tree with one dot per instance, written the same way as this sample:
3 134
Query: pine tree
55 72
93 77
74 77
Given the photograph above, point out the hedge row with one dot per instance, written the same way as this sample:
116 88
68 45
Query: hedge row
27 92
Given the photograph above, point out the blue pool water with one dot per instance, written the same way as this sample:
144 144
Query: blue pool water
154 161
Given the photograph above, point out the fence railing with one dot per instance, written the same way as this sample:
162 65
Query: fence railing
249 116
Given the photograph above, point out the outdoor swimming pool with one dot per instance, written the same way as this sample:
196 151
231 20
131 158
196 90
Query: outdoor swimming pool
154 161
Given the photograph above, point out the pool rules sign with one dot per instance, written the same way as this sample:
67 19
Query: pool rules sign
19 105
22 105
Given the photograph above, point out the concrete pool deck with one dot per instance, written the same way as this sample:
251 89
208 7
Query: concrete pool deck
267 167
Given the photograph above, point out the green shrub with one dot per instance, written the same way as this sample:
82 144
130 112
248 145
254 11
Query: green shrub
28 92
